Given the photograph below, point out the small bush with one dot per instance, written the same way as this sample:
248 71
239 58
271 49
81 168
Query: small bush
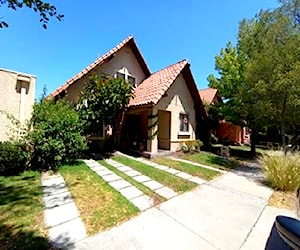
56 136
283 172
191 146
13 158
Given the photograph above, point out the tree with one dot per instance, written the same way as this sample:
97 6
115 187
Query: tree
259 77
45 10
102 101
230 69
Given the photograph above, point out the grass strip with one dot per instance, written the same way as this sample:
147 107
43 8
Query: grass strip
204 173
100 205
174 182
21 212
211 159
157 198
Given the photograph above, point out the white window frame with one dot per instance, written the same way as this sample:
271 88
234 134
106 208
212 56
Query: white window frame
124 71
187 130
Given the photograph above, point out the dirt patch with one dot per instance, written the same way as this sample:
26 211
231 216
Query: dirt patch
283 199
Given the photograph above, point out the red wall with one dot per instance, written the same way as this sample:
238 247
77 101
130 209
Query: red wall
234 133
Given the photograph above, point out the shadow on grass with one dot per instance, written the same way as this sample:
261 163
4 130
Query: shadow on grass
14 237
19 202
243 155
226 164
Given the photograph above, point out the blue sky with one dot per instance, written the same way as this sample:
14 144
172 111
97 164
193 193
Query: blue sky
165 31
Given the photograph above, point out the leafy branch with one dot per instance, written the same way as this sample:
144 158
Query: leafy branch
45 10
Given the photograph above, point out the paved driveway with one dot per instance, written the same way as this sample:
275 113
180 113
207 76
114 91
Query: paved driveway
227 213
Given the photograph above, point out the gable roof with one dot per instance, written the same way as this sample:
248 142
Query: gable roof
152 89
106 57
207 95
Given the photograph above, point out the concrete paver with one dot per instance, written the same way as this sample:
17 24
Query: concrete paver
166 192
58 199
153 184
142 202
141 178
184 176
123 168
104 172
197 180
132 173
111 177
119 184
172 171
67 233
131 192
61 214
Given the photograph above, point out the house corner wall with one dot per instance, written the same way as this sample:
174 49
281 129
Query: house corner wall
17 91
178 100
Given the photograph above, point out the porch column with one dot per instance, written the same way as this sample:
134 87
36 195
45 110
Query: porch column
152 142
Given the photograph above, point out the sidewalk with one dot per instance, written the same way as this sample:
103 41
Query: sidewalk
230 212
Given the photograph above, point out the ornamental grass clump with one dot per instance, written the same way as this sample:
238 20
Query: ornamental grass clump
282 172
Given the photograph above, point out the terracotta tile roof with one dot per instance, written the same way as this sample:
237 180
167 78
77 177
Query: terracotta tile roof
151 90
129 40
207 95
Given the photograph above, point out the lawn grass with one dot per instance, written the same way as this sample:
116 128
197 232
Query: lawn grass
210 159
176 183
100 205
21 212
157 198
206 174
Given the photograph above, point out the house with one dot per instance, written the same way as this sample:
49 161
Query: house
17 92
166 104
228 131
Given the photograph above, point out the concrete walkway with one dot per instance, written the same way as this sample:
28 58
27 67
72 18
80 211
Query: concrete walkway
229 212
176 172
130 192
61 215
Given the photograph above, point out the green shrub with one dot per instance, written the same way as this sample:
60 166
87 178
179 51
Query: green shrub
191 146
13 158
56 136
283 172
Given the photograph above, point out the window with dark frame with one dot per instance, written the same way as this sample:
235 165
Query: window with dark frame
184 122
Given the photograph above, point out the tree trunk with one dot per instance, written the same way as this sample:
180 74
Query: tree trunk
253 138
120 128
282 125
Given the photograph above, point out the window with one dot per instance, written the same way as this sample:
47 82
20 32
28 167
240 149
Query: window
124 74
184 122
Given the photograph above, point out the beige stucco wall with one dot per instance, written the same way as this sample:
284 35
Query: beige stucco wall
123 58
11 85
179 100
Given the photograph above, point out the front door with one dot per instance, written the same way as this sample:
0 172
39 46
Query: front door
164 127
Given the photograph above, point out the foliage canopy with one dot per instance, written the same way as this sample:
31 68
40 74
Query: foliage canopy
102 100
45 10
259 78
